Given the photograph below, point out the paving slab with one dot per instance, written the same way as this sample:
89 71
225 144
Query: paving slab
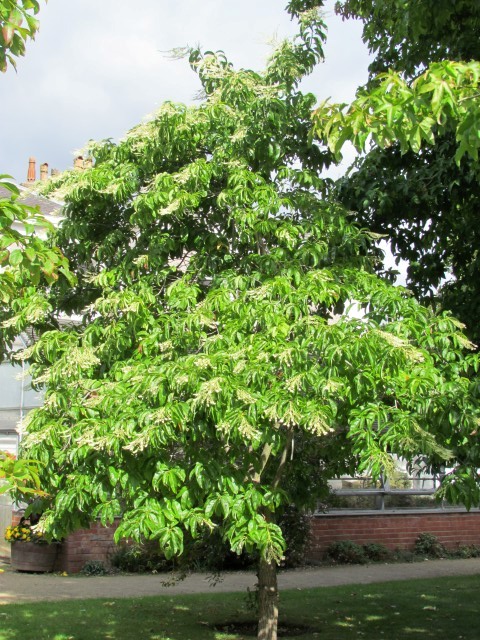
18 587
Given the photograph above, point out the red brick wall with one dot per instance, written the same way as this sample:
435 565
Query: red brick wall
84 545
394 530
16 517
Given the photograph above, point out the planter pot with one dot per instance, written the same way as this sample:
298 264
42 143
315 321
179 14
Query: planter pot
37 558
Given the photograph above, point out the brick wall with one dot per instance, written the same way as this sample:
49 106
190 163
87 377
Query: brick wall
16 517
84 545
394 530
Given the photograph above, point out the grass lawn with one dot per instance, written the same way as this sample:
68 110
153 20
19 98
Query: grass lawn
442 609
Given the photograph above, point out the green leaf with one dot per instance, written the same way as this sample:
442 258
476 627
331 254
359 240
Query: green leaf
16 257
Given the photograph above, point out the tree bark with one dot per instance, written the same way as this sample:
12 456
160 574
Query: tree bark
267 600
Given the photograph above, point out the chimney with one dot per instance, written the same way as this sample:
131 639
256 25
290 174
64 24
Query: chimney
44 171
78 163
32 172
54 173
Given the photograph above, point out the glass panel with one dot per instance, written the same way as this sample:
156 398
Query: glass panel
9 442
10 387
11 384
9 419
31 398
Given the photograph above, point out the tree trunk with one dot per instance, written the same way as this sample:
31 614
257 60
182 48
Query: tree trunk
267 600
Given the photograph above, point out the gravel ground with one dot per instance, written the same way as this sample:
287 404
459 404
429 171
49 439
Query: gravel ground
22 587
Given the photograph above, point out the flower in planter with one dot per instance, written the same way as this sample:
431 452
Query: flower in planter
31 550
25 531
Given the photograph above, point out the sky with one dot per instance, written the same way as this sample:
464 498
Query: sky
98 67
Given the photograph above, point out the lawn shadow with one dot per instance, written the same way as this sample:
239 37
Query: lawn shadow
407 610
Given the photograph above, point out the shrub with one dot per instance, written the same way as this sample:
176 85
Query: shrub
211 553
346 552
140 558
94 568
377 552
404 555
428 545
295 526
467 551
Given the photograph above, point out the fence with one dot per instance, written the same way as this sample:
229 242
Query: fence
414 486
396 527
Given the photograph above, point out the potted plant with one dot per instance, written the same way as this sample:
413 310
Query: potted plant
30 550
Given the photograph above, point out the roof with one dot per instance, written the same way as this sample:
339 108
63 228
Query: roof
31 199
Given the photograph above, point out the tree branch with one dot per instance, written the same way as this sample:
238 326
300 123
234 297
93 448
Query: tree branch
253 475
283 460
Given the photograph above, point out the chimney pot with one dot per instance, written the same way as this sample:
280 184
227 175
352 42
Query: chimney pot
54 173
32 172
44 171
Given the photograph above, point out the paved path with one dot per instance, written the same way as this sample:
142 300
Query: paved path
21 587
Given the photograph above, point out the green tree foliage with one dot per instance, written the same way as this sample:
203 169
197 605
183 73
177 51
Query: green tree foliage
219 373
19 476
26 261
418 183
407 36
17 25
442 100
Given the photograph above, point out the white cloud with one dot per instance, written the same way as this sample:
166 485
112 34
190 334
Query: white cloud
97 67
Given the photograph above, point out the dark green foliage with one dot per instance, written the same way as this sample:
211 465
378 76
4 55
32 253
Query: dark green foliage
376 552
426 203
467 551
428 207
428 545
406 35
346 552
140 558
211 553
208 553
295 526
404 555
94 568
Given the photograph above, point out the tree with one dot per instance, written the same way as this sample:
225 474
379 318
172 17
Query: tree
408 36
219 373
26 261
423 198
19 246
18 24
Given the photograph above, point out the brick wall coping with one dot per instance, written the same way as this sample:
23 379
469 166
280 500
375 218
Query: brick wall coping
340 513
